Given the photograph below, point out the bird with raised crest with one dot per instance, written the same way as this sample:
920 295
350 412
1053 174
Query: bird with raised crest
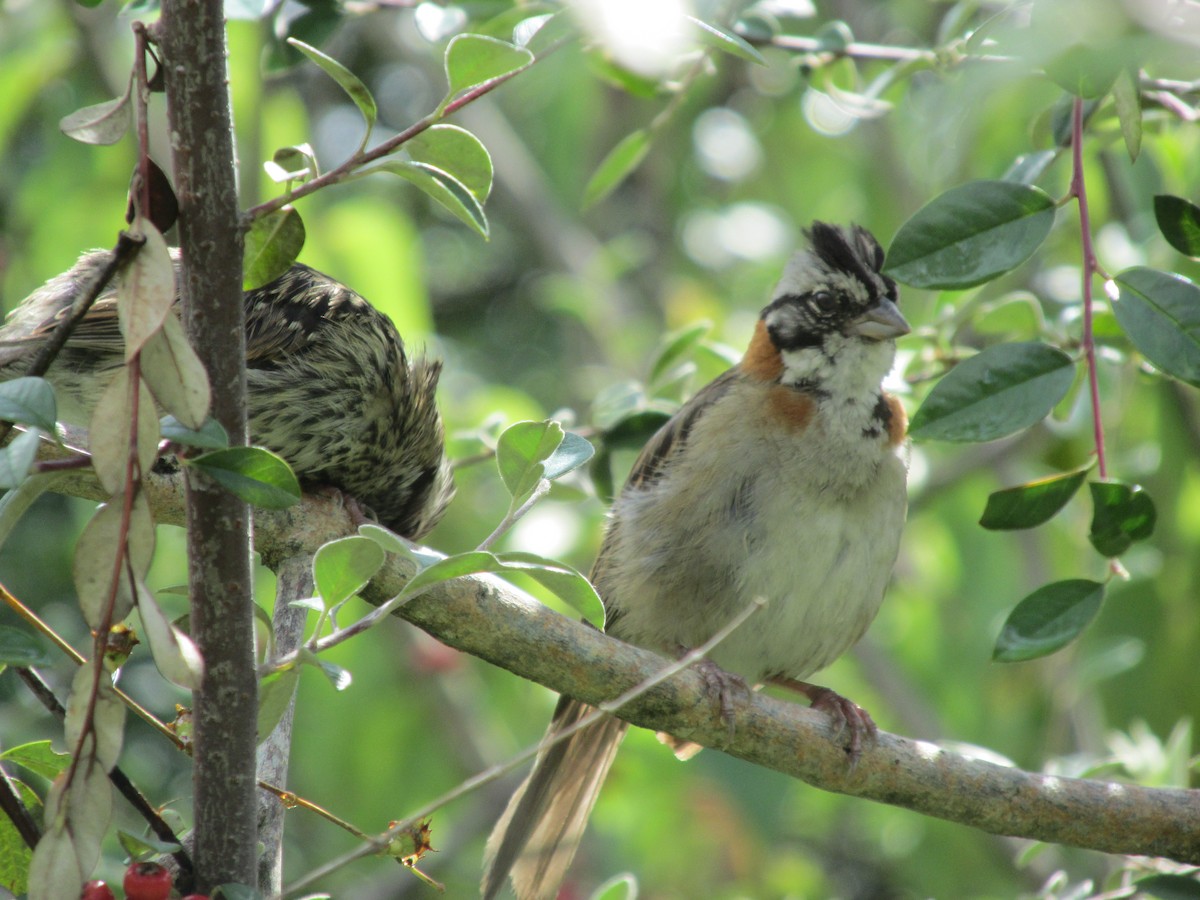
783 480
330 387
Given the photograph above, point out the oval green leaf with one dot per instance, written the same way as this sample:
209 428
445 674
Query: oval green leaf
38 757
442 187
457 152
28 401
616 166
275 693
1029 505
473 59
1161 314
1179 222
256 475
347 81
1121 514
1169 887
970 234
995 393
210 436
470 563
1048 619
343 567
272 245
521 452
566 583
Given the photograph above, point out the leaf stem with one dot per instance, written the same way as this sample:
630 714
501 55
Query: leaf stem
1090 269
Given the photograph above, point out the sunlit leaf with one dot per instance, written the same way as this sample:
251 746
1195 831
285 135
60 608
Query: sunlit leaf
343 567
1029 505
96 554
995 393
272 245
38 757
472 562
258 476
1127 98
522 451
1048 619
473 59
1085 71
442 187
970 234
457 152
1160 312
107 715
1121 514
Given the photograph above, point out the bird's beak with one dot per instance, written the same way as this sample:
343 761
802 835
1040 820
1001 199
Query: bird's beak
880 323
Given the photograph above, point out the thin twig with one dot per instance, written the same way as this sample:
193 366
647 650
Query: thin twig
380 842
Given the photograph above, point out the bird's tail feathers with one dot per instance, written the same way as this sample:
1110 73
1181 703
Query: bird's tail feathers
540 830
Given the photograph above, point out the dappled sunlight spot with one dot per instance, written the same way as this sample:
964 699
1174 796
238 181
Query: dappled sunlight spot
645 37
926 750
549 530
725 145
825 114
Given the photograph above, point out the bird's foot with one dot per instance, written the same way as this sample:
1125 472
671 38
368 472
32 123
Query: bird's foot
846 716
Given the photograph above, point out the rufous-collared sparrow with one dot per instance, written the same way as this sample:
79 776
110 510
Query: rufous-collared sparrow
329 385
783 479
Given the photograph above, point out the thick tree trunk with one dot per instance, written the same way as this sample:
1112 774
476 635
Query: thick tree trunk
193 44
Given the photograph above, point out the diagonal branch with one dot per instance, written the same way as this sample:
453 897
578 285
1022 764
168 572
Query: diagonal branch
495 621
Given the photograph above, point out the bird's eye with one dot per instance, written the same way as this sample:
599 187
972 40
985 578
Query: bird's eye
823 303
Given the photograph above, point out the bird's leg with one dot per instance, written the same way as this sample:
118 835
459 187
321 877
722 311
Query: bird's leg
845 714
359 515
722 686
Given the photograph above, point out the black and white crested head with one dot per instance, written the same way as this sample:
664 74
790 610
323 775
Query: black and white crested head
834 301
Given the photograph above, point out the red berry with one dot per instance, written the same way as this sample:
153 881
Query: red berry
97 890
147 881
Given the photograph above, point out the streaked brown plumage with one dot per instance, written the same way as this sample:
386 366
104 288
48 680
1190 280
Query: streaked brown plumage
329 386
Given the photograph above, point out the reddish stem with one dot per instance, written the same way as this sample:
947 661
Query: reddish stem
1090 269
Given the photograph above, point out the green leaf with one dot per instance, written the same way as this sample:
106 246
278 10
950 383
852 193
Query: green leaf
28 401
1161 314
340 678
256 475
174 373
146 292
1016 316
1084 71
211 436
569 455
142 847
19 648
17 458
38 757
1169 887
1179 222
442 187
1128 101
619 887
970 234
522 451
1048 619
470 563
473 59
1030 504
628 433
727 42
343 567
1121 514
102 124
313 27
457 152
272 245
675 347
347 81
1028 167
566 583
275 692
616 166
295 163
995 393
176 656
15 854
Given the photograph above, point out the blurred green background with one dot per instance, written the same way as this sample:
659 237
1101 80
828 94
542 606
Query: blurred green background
560 313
